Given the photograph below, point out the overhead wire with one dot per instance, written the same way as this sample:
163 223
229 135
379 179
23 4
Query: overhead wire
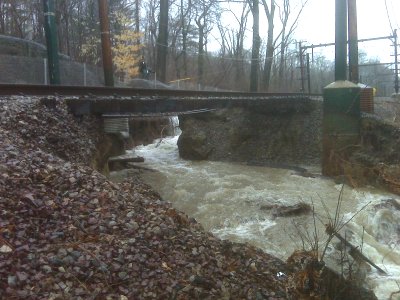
395 12
387 13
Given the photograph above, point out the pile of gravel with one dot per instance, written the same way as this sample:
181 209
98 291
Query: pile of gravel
67 232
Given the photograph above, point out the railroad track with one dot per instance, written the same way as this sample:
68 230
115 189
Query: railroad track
81 91
134 102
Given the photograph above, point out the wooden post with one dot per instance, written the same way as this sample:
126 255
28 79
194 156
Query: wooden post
106 43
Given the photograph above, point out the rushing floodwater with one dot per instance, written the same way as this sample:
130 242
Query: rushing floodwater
227 199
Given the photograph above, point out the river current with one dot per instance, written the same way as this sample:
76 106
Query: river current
229 199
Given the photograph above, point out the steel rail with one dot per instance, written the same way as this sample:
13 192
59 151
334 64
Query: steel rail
156 115
81 91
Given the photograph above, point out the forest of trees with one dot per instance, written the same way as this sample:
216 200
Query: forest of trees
202 43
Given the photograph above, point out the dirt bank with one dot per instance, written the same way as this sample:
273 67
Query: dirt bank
294 138
254 135
67 232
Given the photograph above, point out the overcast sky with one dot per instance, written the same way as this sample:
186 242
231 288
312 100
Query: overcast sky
317 25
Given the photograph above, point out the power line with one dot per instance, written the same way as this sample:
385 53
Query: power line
387 13
393 10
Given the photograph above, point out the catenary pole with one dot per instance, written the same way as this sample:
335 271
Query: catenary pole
396 63
51 41
341 106
340 40
353 41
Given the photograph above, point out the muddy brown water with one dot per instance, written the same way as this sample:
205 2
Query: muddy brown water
227 198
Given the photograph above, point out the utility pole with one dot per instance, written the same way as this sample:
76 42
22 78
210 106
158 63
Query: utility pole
396 63
51 40
308 73
162 41
137 20
353 41
301 67
106 43
341 106
340 40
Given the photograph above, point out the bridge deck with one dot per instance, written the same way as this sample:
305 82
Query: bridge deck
177 105
153 103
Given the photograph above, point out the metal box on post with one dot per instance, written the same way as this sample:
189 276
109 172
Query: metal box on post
341 125
366 98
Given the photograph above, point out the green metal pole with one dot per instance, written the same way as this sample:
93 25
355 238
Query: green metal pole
340 40
396 63
341 107
52 43
353 42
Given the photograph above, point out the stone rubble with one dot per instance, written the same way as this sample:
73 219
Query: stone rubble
67 232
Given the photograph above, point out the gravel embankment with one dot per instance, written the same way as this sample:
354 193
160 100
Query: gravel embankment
67 232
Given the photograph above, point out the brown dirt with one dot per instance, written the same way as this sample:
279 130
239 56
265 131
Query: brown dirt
67 232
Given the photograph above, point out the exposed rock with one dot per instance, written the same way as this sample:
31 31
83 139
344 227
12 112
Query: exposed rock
289 210
194 147
253 135
144 132
283 138
376 160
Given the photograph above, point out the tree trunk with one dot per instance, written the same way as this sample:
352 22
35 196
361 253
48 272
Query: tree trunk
269 54
184 39
238 48
281 70
137 19
2 16
106 43
200 58
67 29
255 53
162 42
17 26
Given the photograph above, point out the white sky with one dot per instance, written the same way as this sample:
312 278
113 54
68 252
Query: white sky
317 25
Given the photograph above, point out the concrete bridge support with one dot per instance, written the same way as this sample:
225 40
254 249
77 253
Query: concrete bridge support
341 125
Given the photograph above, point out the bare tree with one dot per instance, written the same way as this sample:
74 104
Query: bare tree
137 20
237 40
255 53
287 28
204 15
180 27
150 27
185 23
179 32
269 53
285 12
